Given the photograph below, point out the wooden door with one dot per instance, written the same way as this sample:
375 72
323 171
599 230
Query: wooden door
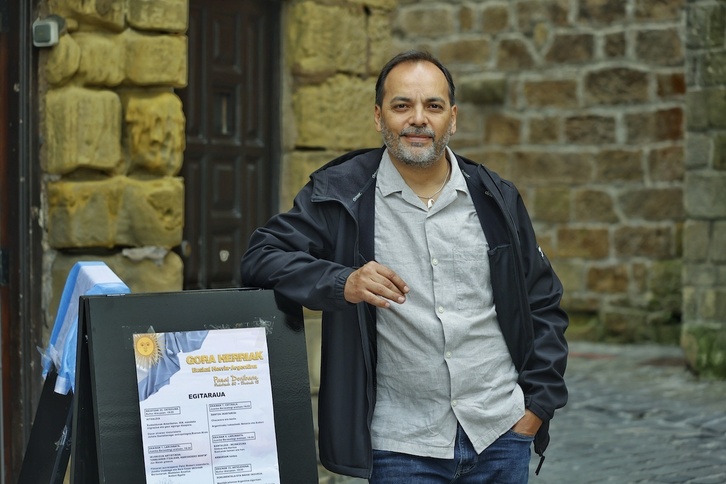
231 158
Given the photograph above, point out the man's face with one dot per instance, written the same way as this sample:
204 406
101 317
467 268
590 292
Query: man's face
415 117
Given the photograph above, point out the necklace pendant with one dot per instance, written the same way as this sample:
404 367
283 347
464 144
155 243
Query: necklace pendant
430 203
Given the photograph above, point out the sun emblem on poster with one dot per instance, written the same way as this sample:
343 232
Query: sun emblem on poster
148 349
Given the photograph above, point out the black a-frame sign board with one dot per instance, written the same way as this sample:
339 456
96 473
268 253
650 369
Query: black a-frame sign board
107 444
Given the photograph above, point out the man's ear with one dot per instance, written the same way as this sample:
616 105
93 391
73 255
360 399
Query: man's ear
453 119
377 117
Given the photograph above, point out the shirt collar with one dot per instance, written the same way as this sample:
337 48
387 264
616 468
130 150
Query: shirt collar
389 180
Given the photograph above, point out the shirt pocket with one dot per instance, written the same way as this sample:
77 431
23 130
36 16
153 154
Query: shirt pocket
472 278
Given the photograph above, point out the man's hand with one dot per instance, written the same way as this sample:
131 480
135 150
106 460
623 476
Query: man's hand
375 284
528 425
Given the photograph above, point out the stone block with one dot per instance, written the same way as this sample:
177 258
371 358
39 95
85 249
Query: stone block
661 125
571 274
63 60
699 150
654 242
705 25
143 276
467 18
696 240
716 107
158 15
544 130
546 168
551 93
387 5
659 47
623 325
705 194
602 12
426 20
321 41
497 161
465 51
116 211
615 45
337 114
652 204
590 130
571 49
658 9
608 279
697 110
617 85
704 346
552 204
514 55
495 19
588 243
153 213
667 164
106 13
82 130
594 206
501 129
489 89
665 280
102 59
718 243
531 13
379 38
619 166
670 86
155 137
699 275
299 166
713 69
84 214
155 60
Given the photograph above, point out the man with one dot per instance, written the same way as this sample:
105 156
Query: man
443 349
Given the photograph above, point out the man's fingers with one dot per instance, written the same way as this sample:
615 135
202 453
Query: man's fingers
375 284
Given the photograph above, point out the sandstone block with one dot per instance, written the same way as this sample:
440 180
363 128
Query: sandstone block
530 13
63 60
102 59
696 241
325 39
153 213
624 325
697 113
659 47
713 69
426 20
602 12
490 89
547 168
513 55
107 13
337 114
154 60
590 130
699 150
551 93
616 86
653 204
571 49
666 164
608 279
544 130
160 15
671 85
661 125
470 51
699 275
588 243
615 45
552 204
467 18
495 18
718 245
155 137
619 166
83 130
379 38
502 129
594 206
299 167
641 241
718 160
704 347
658 10
665 280
705 196
571 274
705 25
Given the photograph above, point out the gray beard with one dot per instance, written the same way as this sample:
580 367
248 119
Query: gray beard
421 158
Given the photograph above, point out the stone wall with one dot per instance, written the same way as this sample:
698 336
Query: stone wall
113 141
581 104
704 258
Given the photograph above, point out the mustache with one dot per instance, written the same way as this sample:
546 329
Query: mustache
417 132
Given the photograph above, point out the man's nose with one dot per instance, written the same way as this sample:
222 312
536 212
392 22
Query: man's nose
418 116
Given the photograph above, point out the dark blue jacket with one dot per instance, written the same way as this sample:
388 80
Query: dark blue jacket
308 253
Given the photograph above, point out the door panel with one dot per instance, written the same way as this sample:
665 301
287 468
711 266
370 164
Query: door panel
230 164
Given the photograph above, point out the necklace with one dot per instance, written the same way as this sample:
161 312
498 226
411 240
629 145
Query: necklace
430 199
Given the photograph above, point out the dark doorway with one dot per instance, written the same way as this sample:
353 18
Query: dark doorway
231 158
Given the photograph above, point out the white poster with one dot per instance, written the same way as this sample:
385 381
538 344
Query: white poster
206 407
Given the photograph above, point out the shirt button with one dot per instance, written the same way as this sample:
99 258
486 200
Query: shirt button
441 309
453 403
448 354
435 261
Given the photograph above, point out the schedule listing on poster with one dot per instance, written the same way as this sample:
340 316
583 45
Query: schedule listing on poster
205 399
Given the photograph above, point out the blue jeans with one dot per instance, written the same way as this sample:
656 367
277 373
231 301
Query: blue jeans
506 461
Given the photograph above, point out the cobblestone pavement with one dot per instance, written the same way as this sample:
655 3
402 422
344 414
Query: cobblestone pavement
635 415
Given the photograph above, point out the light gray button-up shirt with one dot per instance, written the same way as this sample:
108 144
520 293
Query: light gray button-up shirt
441 355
